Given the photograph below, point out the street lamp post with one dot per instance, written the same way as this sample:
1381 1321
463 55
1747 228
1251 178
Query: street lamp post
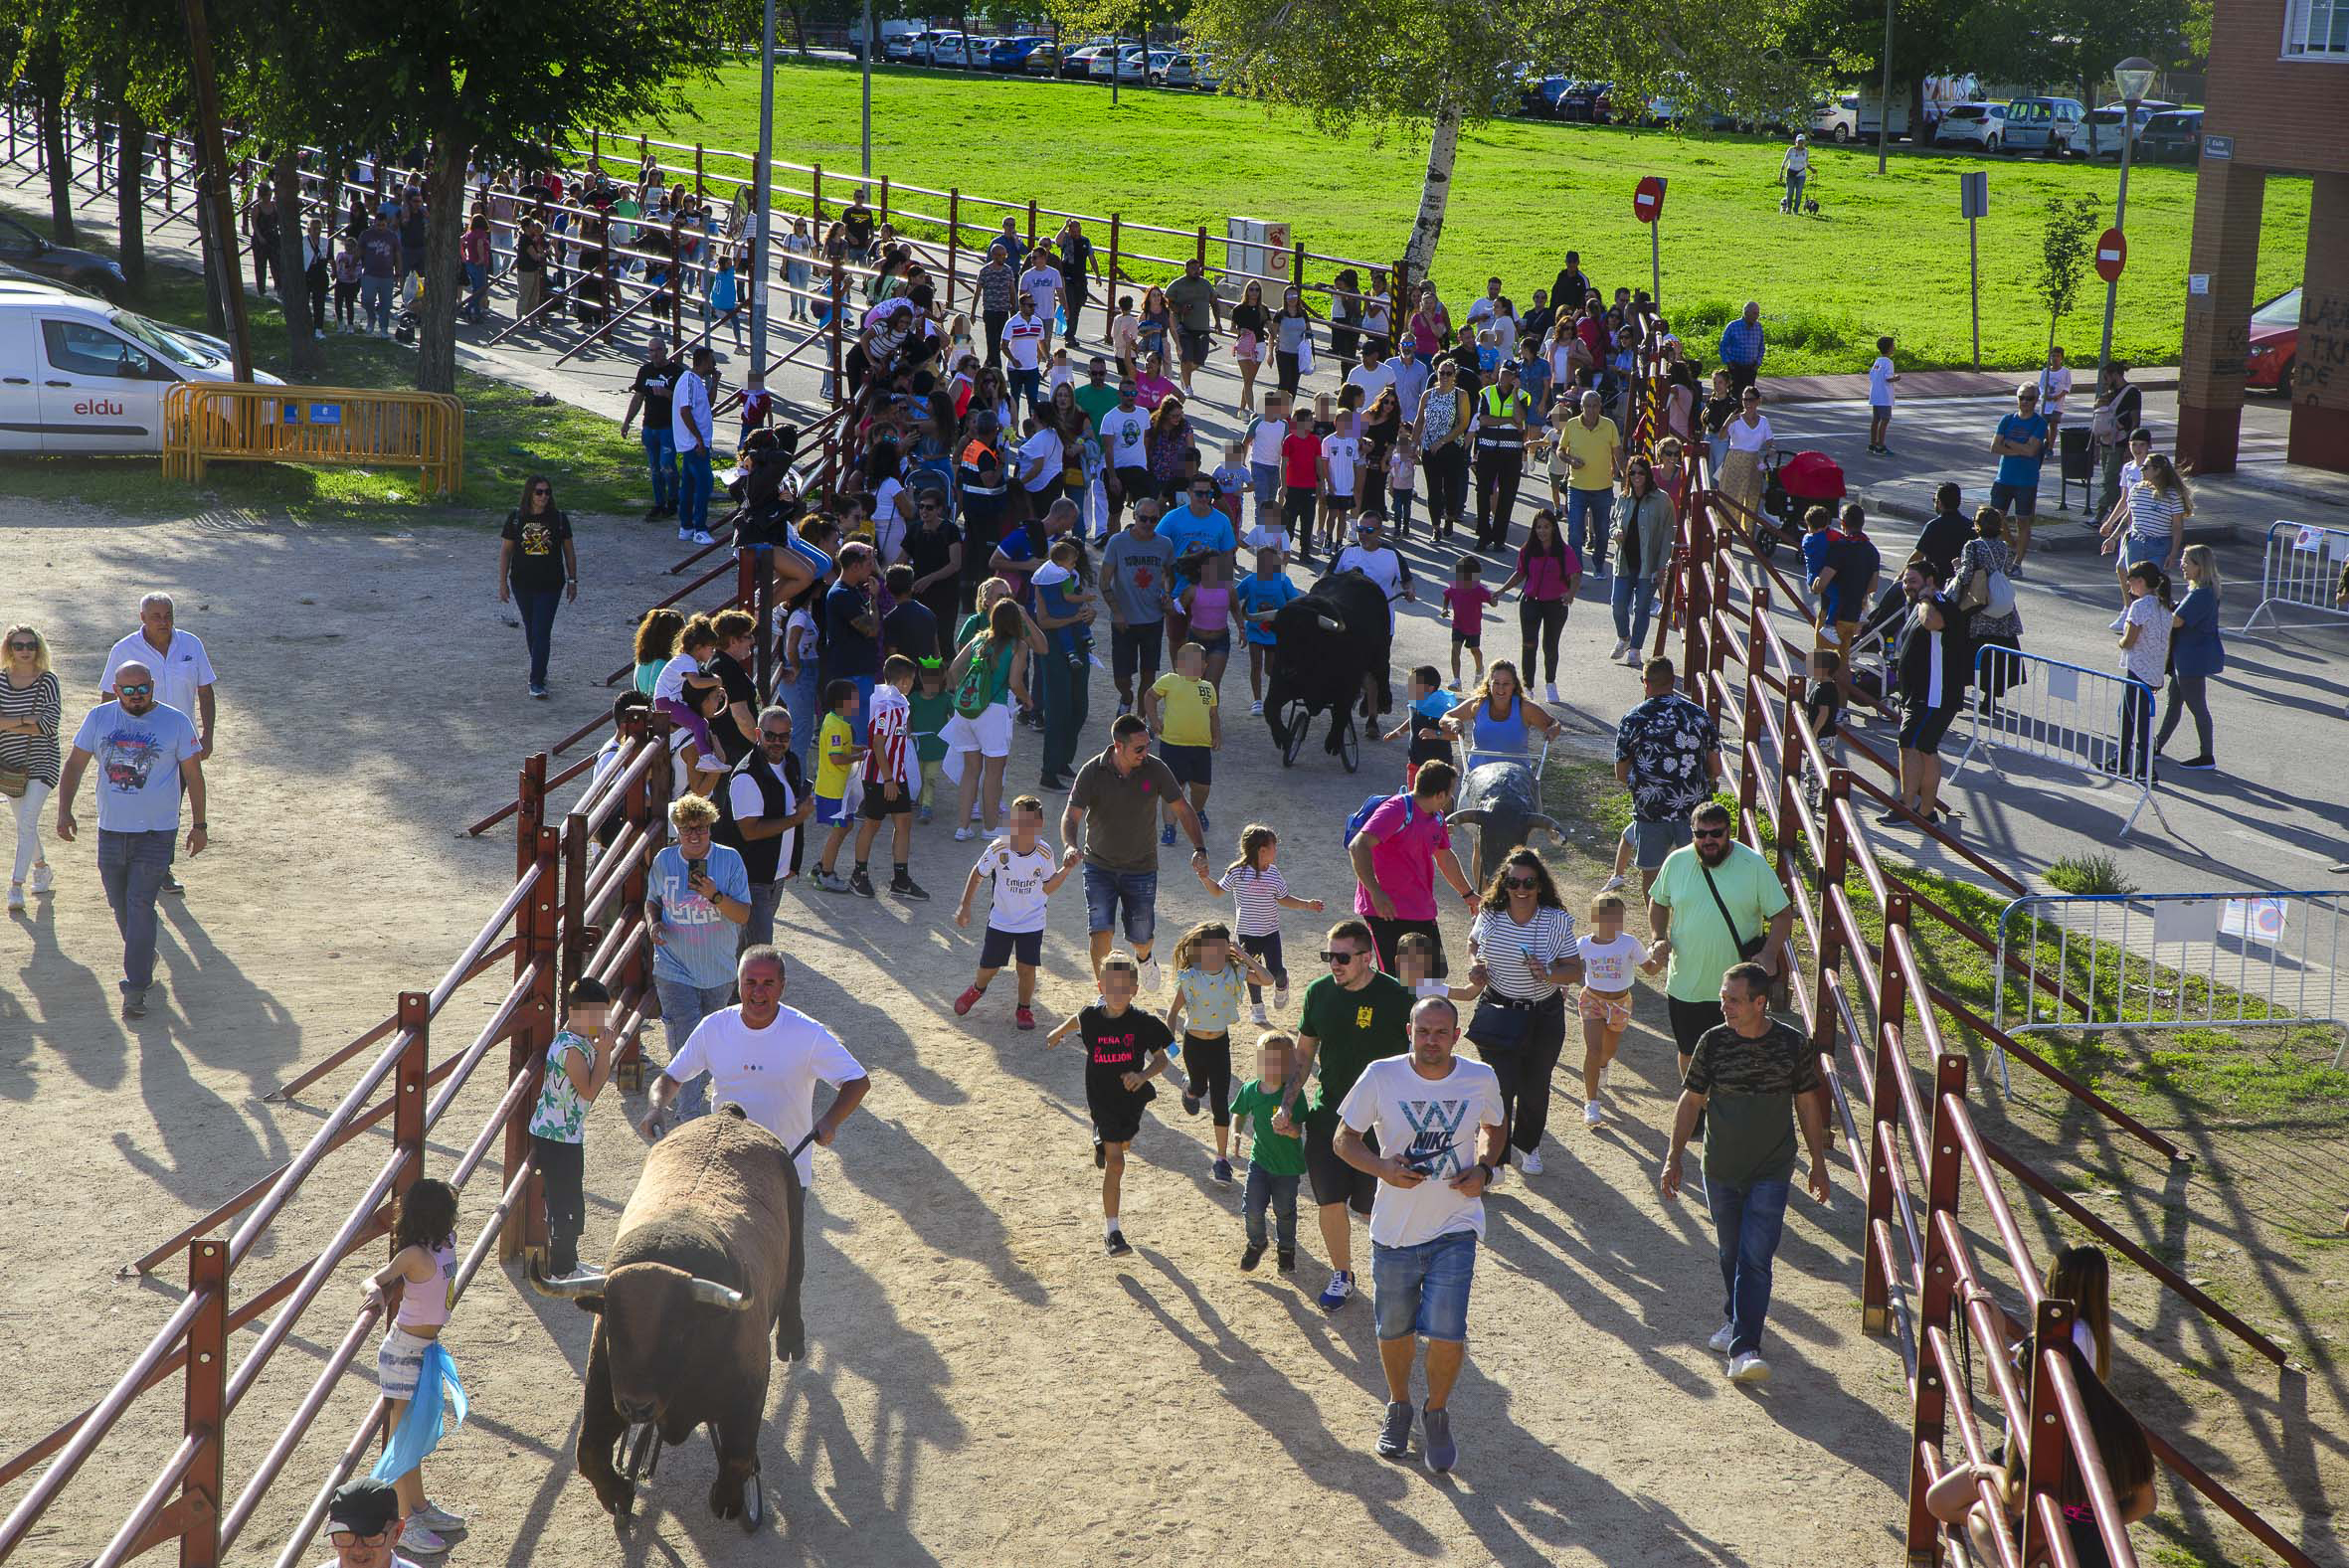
1883 108
866 168
2134 76
762 198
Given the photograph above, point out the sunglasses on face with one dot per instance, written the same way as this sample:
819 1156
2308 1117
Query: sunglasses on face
1708 833
140 690
354 1538
1332 955
24 648
775 736
1519 882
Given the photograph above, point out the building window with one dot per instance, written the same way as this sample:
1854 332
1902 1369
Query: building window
2316 30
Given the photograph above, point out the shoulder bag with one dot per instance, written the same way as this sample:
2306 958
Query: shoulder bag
1778 991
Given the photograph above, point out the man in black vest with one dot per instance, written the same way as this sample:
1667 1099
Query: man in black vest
759 816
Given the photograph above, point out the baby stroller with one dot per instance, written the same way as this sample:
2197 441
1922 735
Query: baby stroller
1795 485
1328 646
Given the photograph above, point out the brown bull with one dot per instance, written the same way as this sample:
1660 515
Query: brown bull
703 1275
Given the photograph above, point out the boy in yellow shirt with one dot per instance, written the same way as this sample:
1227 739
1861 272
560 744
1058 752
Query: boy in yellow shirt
836 751
1179 708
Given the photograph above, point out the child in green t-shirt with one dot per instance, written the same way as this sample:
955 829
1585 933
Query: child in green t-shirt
931 704
1278 1158
577 1064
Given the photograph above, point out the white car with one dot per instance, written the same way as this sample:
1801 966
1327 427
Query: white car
78 375
2101 139
1982 125
1850 117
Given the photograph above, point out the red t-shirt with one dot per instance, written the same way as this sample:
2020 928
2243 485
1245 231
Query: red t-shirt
1300 461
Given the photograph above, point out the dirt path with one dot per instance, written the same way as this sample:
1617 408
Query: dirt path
985 1387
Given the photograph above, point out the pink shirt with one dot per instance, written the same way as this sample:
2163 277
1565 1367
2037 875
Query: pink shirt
1545 576
1404 842
1467 602
1210 609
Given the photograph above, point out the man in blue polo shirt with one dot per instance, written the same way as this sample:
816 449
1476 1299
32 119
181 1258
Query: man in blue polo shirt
2021 445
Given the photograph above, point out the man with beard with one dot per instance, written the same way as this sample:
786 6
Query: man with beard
1713 902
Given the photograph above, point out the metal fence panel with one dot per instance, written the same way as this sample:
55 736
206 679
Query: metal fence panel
2065 714
2305 571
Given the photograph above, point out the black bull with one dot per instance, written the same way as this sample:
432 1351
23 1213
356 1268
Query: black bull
1503 803
1327 644
703 1275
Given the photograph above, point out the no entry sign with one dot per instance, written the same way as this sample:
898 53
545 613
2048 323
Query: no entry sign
2113 253
1647 202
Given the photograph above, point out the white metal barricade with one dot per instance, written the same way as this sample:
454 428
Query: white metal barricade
2302 573
2065 714
2171 961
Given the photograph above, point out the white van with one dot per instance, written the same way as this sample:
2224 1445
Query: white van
77 375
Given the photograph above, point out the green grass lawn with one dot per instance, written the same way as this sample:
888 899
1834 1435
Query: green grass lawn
1886 254
507 438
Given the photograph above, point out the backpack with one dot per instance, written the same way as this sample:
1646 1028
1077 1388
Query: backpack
1999 594
977 683
1362 813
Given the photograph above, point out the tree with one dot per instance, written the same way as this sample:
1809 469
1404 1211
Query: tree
2078 42
1930 37
2070 233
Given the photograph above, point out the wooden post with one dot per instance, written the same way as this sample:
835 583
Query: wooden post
534 1025
1750 724
816 197
636 973
1692 604
407 1089
840 304
1031 223
1883 1133
1110 283
1296 264
2049 1455
576 943
644 154
204 1406
954 239
884 215
1833 862
529 810
1792 758
1945 1169
596 150
698 185
170 198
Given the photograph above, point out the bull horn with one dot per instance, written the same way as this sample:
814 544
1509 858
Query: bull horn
1474 816
1546 824
709 1292
1329 624
571 1287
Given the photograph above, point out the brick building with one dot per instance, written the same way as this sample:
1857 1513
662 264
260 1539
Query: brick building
2277 103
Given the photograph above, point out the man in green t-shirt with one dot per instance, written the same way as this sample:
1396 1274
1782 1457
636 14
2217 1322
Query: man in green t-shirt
1197 314
1712 896
1096 397
1756 1080
1353 1016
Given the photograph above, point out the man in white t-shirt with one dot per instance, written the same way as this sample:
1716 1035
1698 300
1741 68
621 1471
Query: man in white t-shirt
1429 1110
182 673
1374 374
767 1059
1123 454
1375 559
1042 284
694 432
1024 347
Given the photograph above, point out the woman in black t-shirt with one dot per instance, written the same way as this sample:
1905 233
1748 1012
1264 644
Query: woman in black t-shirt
538 569
1248 326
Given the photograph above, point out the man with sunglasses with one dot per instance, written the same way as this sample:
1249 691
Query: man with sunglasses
145 749
363 1526
1711 899
760 809
182 670
1668 755
1353 1016
1124 432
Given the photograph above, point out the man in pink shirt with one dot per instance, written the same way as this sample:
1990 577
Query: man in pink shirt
1397 855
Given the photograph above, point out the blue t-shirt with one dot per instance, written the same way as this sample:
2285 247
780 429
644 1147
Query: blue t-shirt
847 651
1052 599
2022 471
138 772
1187 531
1259 593
701 942
1815 549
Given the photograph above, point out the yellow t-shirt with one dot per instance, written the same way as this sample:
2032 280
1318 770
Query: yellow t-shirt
1183 707
836 740
1596 447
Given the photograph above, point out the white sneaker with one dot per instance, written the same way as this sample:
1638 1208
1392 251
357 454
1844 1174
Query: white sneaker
435 1517
1746 1368
16 897
1622 646
1592 1114
1615 884
1531 1163
1150 977
1632 660
420 1540
1280 998
1723 1337
1256 709
1550 691
701 536
963 834
1257 1014
1453 684
44 877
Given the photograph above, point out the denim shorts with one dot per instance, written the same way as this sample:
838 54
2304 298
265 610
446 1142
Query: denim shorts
1655 841
1423 1290
1136 891
2015 500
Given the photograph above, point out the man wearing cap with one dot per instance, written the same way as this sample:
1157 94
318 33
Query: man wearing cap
2020 446
181 672
1375 559
363 1526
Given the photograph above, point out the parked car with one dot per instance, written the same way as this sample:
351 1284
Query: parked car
1591 102
1042 59
2055 126
1538 95
1206 76
1849 116
900 46
1129 61
83 376
1982 125
1170 69
2174 136
1079 61
2275 343
21 247
2101 139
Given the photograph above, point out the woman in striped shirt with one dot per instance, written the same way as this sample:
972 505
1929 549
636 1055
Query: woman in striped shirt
1259 894
2157 506
30 705
1523 940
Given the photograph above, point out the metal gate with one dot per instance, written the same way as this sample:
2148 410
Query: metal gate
2301 572
2065 714
2170 961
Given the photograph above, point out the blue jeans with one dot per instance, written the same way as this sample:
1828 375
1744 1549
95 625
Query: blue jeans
1634 600
477 279
375 298
1746 1222
1137 890
538 607
693 488
1423 1290
1281 1192
132 867
660 455
1066 695
2136 728
683 1006
759 929
1587 515
1264 479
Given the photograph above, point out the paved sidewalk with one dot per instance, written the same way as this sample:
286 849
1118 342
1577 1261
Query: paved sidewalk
1941 384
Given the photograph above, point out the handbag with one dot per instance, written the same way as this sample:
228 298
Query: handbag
1749 951
13 782
1498 1028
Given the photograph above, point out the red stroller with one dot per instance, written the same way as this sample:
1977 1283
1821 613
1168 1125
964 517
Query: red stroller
1796 484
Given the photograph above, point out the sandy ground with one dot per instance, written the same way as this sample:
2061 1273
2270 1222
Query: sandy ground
985 1387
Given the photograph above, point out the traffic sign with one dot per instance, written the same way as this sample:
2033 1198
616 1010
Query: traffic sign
1647 202
2113 253
1973 194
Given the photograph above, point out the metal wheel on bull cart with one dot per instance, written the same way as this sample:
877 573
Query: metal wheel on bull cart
1295 718
640 1448
1349 742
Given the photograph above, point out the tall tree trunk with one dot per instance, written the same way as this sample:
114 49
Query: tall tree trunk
130 185
303 358
1434 192
60 184
435 334
799 31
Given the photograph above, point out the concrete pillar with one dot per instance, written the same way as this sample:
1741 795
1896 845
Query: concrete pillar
2320 361
2218 323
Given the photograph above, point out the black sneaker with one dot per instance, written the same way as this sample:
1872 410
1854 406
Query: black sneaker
2198 763
1117 1246
861 885
1394 1433
1190 1103
1286 1260
1100 1155
907 888
1250 1258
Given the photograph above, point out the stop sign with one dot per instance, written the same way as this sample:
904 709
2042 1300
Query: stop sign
1647 202
2113 253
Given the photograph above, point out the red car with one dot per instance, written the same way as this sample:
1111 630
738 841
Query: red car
2276 336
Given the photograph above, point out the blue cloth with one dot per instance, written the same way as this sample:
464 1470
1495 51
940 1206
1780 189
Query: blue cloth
1423 1290
1280 1193
723 294
1187 531
693 488
131 867
1633 600
847 653
1259 593
419 1432
700 942
2196 648
136 779
1815 548
660 455
1137 892
1747 1224
683 1007
1741 343
1587 515
538 607
2013 469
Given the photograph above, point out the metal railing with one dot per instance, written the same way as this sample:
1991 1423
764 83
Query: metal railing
208 422
2305 568
2065 714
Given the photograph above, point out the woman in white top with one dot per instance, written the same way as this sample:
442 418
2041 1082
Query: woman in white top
1795 170
1523 940
2156 507
2144 630
2055 385
1750 445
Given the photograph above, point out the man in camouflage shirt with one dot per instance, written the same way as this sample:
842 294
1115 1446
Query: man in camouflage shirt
999 282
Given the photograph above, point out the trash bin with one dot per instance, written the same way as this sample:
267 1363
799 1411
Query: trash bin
2078 460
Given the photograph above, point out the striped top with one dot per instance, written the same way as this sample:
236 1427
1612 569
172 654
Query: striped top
1511 952
2153 514
1256 895
42 703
